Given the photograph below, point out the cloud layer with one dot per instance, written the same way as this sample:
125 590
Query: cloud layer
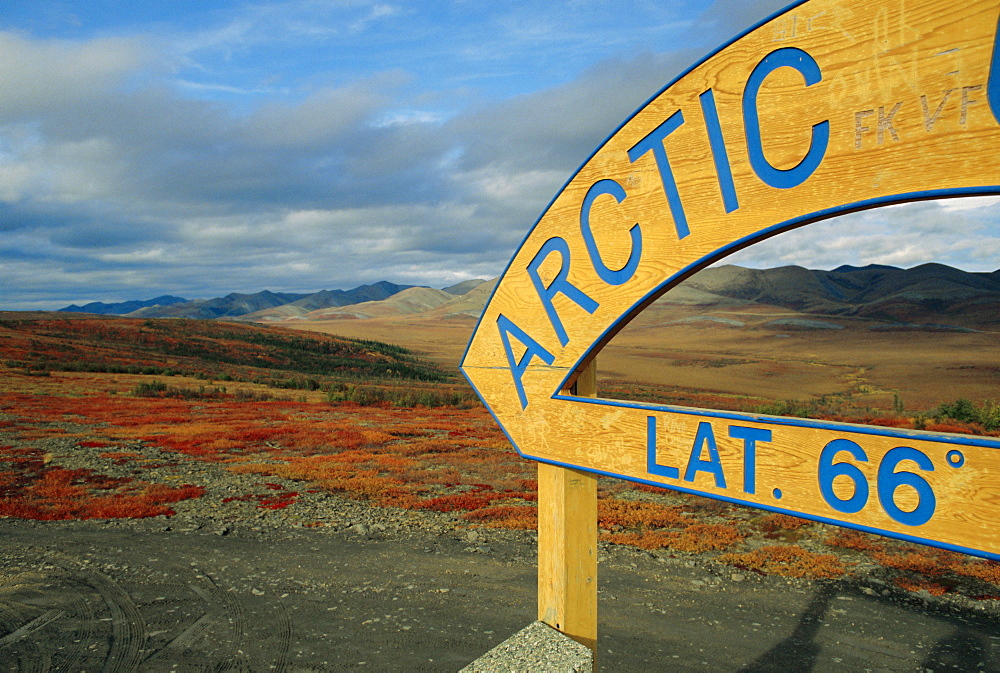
266 147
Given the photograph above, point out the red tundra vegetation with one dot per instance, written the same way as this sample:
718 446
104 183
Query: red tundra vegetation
34 490
406 435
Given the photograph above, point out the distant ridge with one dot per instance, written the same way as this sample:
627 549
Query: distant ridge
328 299
464 287
847 268
232 305
121 308
925 294
266 305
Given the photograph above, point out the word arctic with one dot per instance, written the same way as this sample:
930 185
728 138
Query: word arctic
828 107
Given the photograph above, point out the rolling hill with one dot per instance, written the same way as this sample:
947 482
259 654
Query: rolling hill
121 308
412 301
927 294
45 342
851 304
285 304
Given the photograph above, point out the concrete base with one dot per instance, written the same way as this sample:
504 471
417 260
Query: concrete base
537 647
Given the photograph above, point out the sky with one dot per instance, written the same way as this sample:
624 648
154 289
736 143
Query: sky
202 147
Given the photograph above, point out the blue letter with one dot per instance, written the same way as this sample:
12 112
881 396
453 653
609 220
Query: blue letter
705 437
507 327
829 471
750 437
792 177
889 480
560 284
651 465
609 276
719 154
654 142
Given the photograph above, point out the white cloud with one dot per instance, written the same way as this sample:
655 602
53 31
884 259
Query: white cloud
226 88
964 233
407 118
986 204
116 177
43 73
133 257
502 183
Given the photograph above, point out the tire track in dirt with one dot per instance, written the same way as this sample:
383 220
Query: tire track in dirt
188 636
29 658
26 593
282 632
26 612
225 620
284 638
35 624
78 607
223 610
128 630
48 619
269 638
237 623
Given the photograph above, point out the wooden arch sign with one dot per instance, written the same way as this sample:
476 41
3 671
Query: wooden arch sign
828 107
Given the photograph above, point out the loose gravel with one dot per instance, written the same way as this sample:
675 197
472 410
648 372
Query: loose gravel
231 586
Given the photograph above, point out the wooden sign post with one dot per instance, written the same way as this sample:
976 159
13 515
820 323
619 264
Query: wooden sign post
567 542
828 107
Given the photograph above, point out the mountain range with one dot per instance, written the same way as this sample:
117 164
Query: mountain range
121 308
236 305
926 294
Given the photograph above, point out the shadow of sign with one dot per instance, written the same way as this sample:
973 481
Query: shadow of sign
965 644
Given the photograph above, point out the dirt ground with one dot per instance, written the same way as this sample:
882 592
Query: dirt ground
175 595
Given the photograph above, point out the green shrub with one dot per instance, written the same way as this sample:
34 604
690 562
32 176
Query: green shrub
152 388
786 408
959 410
986 414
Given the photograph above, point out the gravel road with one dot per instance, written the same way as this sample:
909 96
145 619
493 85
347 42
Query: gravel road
332 584
399 591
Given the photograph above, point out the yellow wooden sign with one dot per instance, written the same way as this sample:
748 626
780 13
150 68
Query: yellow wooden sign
829 107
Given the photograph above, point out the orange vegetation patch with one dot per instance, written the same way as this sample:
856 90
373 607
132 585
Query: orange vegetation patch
933 588
929 562
957 427
779 522
447 459
851 539
524 517
918 567
787 561
268 500
937 563
986 571
618 514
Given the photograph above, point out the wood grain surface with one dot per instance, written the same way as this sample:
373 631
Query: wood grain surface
831 107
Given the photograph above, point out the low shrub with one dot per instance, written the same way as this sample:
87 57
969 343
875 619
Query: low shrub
787 561
986 414
524 517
